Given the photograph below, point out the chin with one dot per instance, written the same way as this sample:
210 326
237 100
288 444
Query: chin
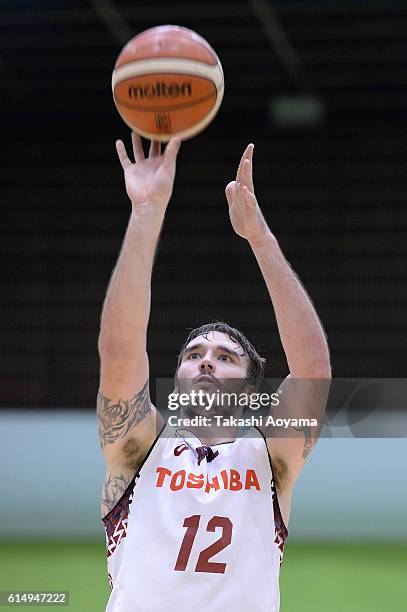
191 411
205 386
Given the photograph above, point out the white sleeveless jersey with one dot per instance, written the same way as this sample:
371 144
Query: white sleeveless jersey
192 536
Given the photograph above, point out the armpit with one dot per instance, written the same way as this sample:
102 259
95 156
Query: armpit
133 453
280 473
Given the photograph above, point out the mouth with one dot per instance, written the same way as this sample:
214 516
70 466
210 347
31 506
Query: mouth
204 378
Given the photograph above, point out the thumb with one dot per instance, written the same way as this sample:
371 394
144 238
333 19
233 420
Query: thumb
249 197
171 152
229 191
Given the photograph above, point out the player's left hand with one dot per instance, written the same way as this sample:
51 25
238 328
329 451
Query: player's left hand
245 214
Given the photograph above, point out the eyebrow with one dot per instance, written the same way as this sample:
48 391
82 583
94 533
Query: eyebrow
220 347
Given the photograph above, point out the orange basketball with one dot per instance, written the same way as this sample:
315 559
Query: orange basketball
167 81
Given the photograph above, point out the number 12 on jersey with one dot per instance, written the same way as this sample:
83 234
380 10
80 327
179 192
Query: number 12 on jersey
203 563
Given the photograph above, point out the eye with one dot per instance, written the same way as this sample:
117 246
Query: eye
224 358
193 356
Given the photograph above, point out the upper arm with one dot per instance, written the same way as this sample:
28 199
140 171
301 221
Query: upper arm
127 420
302 401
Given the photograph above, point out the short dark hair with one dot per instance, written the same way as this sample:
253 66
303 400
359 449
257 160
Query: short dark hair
256 367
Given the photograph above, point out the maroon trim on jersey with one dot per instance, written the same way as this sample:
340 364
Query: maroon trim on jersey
281 530
205 451
116 521
107 516
180 433
180 449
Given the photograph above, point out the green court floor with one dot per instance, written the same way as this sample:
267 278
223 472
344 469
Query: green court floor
314 578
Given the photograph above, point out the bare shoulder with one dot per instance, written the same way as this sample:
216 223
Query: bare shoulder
121 472
125 413
128 421
117 417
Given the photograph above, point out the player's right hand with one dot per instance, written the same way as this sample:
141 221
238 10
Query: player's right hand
149 181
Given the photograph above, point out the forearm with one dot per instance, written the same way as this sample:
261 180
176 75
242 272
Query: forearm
300 330
126 308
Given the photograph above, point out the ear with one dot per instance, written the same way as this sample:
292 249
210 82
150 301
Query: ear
249 388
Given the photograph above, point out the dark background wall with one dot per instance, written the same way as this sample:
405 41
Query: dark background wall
334 193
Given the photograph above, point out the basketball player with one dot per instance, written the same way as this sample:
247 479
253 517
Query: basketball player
194 523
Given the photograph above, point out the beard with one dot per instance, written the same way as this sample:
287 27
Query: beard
210 398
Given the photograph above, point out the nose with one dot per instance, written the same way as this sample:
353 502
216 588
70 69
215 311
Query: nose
207 366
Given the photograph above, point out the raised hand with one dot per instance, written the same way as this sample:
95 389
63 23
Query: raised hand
149 181
245 214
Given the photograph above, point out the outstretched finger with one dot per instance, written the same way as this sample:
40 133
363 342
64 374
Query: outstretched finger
249 198
247 175
121 152
248 154
229 192
137 147
155 148
170 153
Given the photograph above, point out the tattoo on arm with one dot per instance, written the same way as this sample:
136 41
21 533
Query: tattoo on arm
113 489
310 441
308 444
116 420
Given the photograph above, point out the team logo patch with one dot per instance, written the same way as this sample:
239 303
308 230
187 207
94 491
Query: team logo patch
226 479
180 448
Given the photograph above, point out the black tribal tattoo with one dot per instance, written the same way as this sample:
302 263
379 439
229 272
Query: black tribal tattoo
113 490
310 440
116 420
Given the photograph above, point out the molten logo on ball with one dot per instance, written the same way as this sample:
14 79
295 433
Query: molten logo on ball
167 81
160 90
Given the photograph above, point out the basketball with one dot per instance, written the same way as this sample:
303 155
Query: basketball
167 81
